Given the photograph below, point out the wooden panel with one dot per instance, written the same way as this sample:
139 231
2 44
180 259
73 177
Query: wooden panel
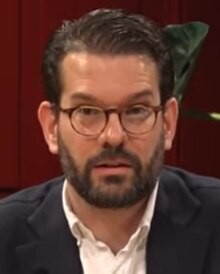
200 147
9 112
36 162
204 88
162 11
39 17
7 192
56 12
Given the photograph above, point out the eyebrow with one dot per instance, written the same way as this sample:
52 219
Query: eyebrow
92 99
140 95
83 96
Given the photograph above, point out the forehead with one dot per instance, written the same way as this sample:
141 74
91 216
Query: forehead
108 79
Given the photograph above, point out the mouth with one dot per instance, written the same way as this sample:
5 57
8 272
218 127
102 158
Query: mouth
113 167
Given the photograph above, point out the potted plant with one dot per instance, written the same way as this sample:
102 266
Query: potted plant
186 41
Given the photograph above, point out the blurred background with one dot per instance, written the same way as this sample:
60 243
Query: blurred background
24 28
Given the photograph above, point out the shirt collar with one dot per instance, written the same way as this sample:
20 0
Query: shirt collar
80 231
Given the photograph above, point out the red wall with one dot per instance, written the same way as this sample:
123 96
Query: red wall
200 140
10 94
25 26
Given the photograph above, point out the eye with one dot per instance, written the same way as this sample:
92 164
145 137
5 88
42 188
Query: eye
138 110
88 111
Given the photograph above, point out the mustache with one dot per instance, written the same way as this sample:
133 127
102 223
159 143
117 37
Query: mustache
112 153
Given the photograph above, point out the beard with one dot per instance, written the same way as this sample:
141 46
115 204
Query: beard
113 191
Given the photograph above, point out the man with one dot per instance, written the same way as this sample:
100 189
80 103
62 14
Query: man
109 114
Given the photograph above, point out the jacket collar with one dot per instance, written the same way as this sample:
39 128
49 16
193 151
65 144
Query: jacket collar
49 246
175 244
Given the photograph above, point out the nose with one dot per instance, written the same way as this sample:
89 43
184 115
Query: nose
113 134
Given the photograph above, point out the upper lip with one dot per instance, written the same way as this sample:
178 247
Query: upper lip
114 162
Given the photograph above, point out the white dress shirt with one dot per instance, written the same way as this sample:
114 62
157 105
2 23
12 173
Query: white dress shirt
96 257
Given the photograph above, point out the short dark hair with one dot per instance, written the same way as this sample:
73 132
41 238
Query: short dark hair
107 31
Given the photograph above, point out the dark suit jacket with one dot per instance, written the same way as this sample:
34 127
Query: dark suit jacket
184 237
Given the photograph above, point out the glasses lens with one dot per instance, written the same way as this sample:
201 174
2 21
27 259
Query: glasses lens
88 120
138 119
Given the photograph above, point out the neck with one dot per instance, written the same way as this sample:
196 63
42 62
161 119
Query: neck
102 222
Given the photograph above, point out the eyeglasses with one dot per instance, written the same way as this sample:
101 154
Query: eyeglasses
90 120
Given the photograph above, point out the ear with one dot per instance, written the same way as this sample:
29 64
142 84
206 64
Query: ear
48 122
170 121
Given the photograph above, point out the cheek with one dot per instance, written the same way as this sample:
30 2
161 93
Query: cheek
78 146
144 146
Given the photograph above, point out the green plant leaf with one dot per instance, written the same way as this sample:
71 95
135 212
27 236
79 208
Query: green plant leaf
215 116
186 41
200 114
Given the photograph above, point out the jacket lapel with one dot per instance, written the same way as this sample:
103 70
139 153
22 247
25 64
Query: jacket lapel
49 246
175 244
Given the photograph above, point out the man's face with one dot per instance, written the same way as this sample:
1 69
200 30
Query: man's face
114 169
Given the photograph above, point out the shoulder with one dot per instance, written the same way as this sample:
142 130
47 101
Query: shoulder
202 187
16 211
191 179
22 203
